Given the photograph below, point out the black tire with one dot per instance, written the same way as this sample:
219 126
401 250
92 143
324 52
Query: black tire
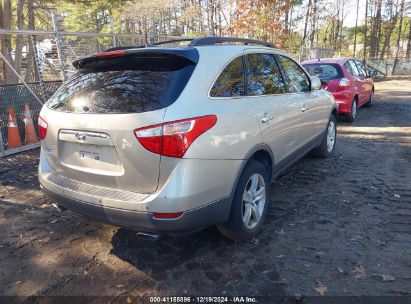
323 150
371 101
235 228
353 114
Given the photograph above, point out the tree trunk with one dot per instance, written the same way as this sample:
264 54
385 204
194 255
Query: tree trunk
391 24
397 50
19 38
306 22
365 33
375 30
409 41
30 75
9 76
314 23
355 30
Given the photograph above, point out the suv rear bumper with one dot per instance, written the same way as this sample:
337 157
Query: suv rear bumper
190 221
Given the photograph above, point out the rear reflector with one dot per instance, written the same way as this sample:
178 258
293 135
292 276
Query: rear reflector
174 138
167 215
42 126
111 54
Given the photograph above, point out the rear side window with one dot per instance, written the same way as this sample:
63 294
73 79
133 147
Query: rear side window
127 84
263 75
230 83
297 79
324 71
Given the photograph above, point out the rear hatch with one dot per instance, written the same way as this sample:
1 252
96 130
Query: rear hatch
90 119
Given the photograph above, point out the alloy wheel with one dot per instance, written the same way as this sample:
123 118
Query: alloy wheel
254 197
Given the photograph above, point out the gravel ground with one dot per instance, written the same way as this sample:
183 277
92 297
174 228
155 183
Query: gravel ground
338 227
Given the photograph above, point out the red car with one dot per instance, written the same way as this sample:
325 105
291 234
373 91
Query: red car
347 79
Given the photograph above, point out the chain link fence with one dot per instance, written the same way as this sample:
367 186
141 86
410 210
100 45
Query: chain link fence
34 64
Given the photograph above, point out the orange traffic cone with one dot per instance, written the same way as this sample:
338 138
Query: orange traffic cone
13 135
30 135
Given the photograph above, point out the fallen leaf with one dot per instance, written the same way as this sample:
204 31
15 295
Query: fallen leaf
129 300
359 272
311 203
19 282
320 288
120 285
397 195
255 241
387 278
53 221
319 253
356 237
307 265
340 270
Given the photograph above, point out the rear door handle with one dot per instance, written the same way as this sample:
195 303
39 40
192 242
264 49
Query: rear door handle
266 118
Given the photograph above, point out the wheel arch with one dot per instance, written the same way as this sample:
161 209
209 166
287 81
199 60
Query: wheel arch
261 153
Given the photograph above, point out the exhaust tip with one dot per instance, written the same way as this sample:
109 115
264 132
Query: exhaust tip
59 208
152 237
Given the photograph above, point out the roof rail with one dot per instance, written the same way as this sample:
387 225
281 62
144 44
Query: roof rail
212 40
200 41
171 41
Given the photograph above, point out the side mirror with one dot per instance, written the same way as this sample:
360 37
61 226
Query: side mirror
372 73
315 83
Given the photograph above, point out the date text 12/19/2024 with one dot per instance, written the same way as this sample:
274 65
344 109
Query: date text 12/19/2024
188 299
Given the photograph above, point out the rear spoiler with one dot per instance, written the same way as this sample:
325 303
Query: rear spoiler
190 54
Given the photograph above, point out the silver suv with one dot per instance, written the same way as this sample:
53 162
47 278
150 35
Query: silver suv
169 140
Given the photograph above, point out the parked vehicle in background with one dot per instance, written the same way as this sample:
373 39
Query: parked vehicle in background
348 80
174 139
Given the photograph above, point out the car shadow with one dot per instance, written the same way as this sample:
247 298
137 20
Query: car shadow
203 263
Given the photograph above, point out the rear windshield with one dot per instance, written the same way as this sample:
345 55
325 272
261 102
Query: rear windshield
126 84
325 72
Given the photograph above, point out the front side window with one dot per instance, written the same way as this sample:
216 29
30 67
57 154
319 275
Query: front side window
263 75
230 83
351 68
361 69
298 81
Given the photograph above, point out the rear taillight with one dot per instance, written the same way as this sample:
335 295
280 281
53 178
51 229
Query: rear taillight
344 84
174 138
42 124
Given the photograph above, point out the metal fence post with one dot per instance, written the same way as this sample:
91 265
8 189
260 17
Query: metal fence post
1 142
37 65
59 51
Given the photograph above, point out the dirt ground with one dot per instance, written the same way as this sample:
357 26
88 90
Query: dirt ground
340 226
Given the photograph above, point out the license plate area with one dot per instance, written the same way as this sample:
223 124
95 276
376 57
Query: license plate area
89 152
92 155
